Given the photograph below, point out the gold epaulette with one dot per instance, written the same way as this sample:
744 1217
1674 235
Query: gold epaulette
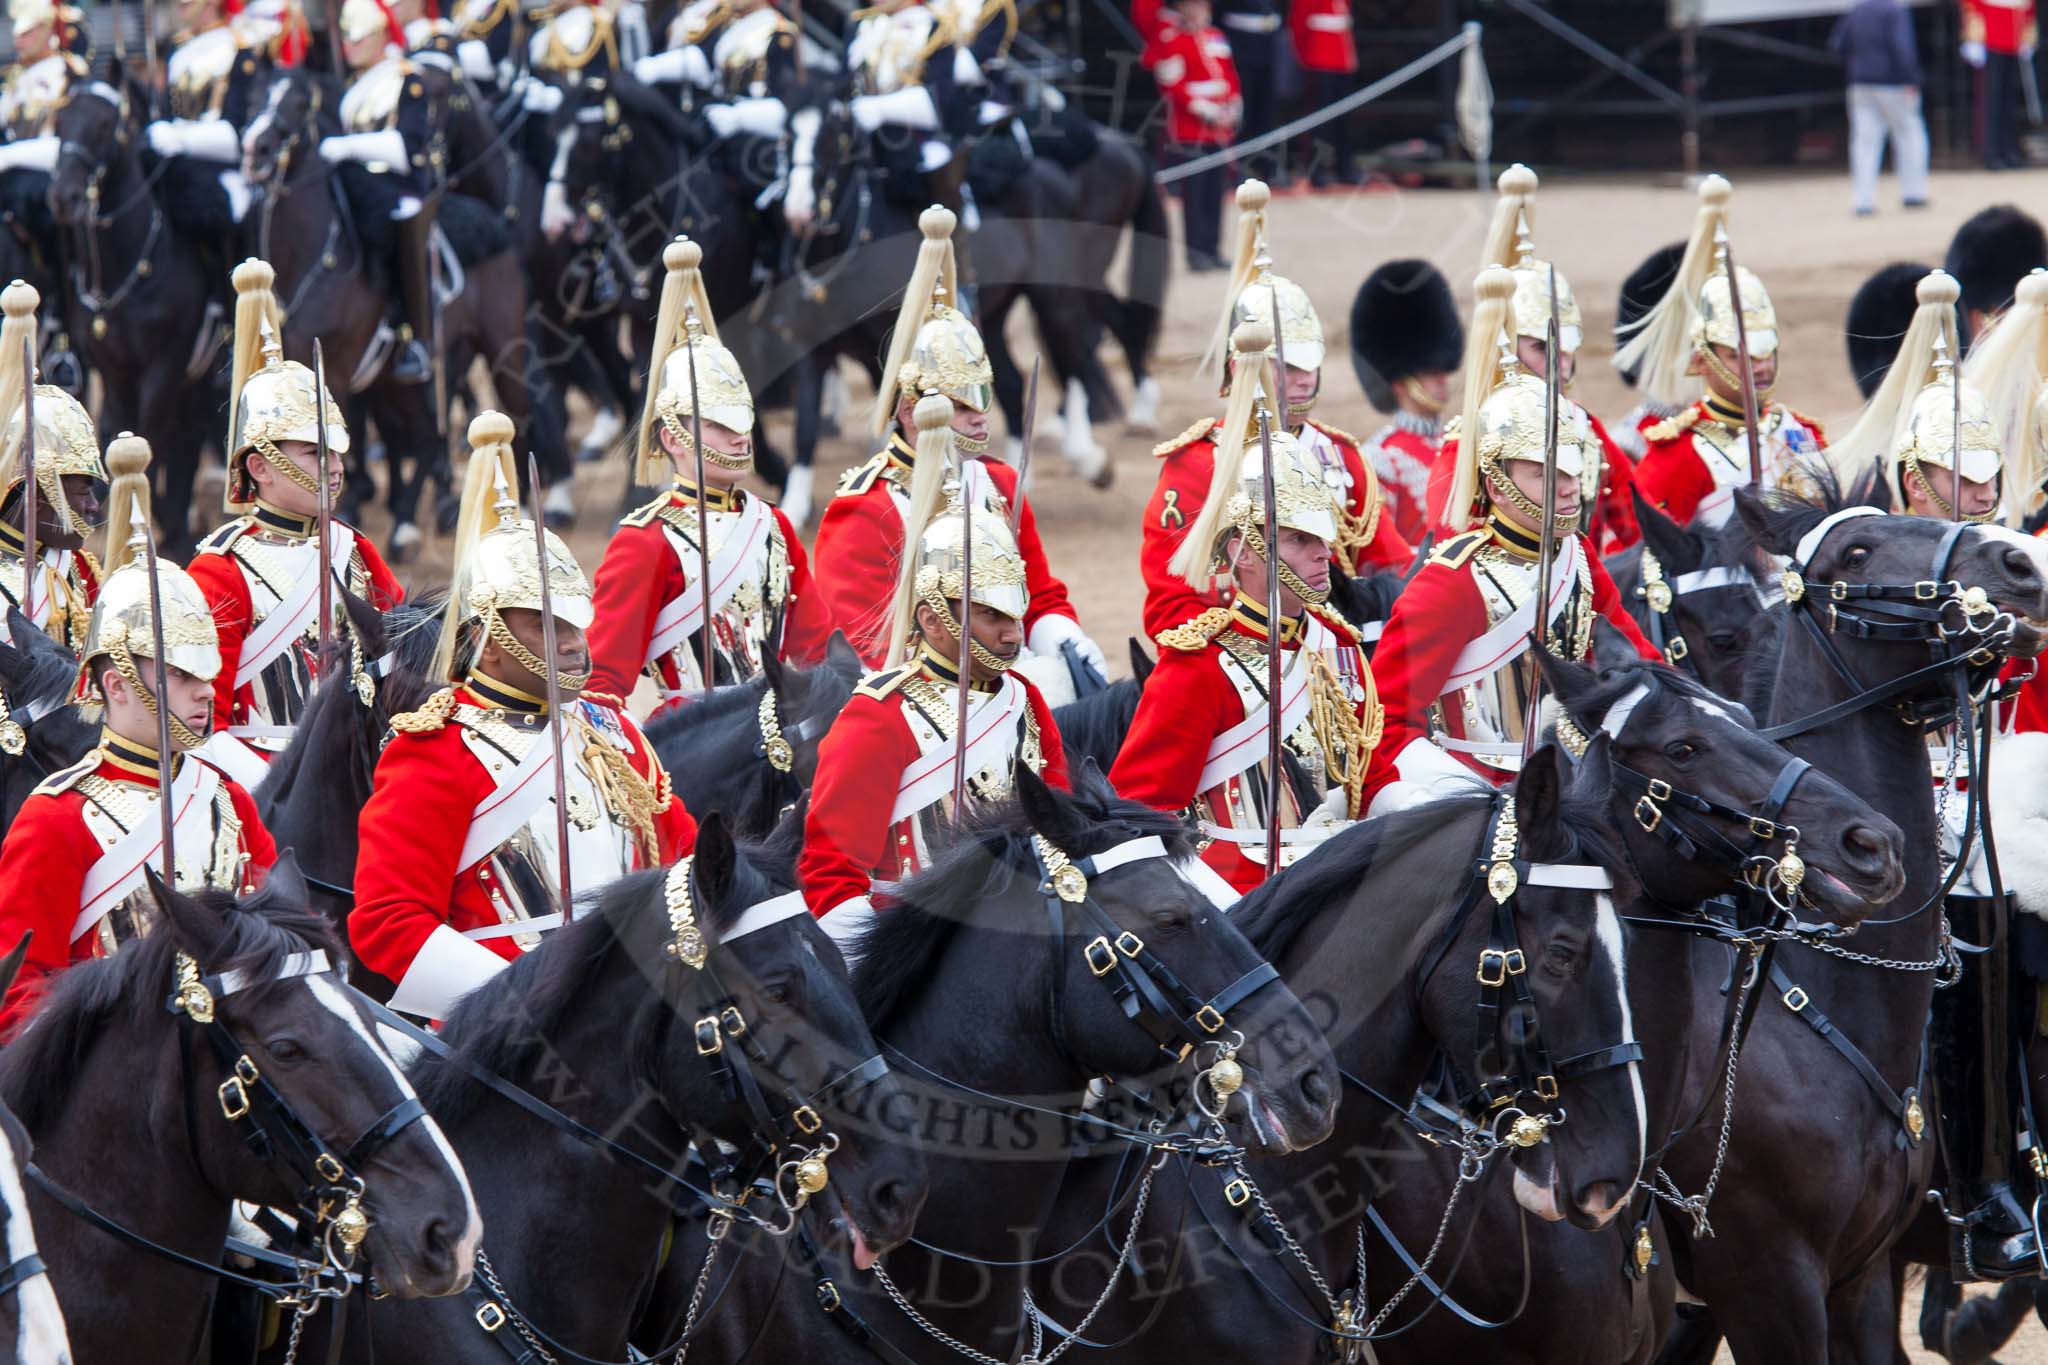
219 539
1193 636
611 699
1453 553
1343 629
878 686
861 477
432 716
1672 427
1334 433
1187 438
646 514
64 779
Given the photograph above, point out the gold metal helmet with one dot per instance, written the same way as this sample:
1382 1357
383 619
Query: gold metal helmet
359 19
497 564
1255 290
1714 314
998 563
686 334
67 441
1533 277
935 348
28 14
1512 425
121 628
275 402
1932 424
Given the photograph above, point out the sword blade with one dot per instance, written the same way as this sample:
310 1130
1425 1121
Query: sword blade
703 515
554 693
1546 539
966 658
1024 432
326 569
29 515
1745 371
1270 512
163 710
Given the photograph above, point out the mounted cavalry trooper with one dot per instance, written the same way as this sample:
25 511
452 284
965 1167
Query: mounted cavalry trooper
261 571
858 555
390 128
43 69
209 78
71 869
650 613
581 41
1200 737
1607 475
1365 537
916 91
68 474
1405 340
1940 446
1695 460
1452 663
462 863
882 800
741 55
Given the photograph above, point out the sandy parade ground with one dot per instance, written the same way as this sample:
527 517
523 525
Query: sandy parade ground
1797 233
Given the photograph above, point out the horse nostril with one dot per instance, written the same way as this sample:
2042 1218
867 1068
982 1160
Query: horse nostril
1315 1087
1866 846
2019 562
891 1201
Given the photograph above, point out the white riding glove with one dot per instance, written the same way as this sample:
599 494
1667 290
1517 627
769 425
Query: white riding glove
911 107
1051 631
387 146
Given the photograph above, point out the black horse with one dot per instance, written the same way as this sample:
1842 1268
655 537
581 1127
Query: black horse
997 1020
117 1061
606 1021
1707 602
1094 727
141 311
1827 1164
1600 995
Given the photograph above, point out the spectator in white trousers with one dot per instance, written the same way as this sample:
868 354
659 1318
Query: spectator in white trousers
1875 41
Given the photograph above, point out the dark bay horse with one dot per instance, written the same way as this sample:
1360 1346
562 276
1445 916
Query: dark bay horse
993 996
609 1024
1709 602
1387 970
1827 1166
116 1062
143 302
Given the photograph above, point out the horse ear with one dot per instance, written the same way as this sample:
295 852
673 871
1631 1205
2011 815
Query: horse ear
841 656
10 966
369 624
715 860
1141 662
1679 549
1539 804
1758 521
1565 678
284 884
1612 649
194 927
772 670
1048 813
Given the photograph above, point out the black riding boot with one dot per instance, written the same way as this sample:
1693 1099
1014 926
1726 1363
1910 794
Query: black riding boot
1973 1054
413 363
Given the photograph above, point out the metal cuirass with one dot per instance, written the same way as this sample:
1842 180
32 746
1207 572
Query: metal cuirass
1485 721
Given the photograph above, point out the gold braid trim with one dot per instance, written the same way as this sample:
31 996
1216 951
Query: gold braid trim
1191 636
631 798
1672 426
1355 532
1347 741
430 717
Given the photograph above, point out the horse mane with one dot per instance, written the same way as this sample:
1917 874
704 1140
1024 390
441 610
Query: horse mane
1273 915
1615 683
258 936
1096 724
898 953
503 1026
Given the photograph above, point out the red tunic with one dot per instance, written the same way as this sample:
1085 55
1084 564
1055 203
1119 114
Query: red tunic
1404 460
2001 27
860 545
641 574
1322 35
1614 515
1441 611
1193 67
849 842
1187 464
1187 702
222 578
412 831
44 861
1676 476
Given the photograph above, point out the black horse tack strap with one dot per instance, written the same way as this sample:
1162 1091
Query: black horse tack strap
1905 1108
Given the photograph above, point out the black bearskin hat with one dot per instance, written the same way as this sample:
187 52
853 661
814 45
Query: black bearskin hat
1990 253
1878 317
1646 284
1403 322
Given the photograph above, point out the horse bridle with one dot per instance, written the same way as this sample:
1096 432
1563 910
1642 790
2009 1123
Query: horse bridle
1510 1051
1661 593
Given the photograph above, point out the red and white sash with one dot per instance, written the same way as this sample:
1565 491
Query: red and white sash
119 869
286 624
682 617
509 805
991 738
1244 743
1510 639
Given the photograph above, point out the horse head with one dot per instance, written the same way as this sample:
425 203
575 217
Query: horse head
97 127
296 108
606 135
35 671
1704 603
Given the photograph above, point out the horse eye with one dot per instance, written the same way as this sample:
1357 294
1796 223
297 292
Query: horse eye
1680 751
778 993
285 1050
1724 642
1558 959
1857 554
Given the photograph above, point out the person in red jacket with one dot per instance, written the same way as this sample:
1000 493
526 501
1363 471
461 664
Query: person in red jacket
1696 460
1405 342
68 474
858 553
461 868
1999 36
72 866
1366 537
1453 666
882 800
650 614
1199 738
1190 62
261 571
1328 54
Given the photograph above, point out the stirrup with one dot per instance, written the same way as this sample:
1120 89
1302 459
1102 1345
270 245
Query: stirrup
410 363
